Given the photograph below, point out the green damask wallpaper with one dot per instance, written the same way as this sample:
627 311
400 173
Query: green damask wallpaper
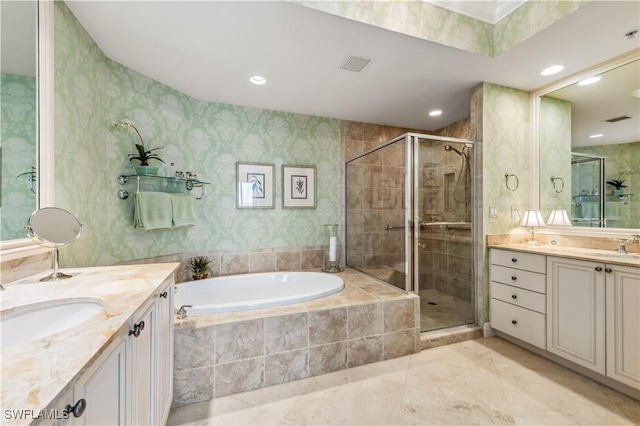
555 154
93 93
427 21
505 149
18 111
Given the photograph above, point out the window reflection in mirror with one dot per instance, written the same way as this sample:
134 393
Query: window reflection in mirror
600 120
18 116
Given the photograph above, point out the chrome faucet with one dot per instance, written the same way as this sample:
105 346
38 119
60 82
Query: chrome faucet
182 312
622 249
1 287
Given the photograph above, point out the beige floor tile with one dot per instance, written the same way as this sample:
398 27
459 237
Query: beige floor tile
423 407
629 406
364 402
483 381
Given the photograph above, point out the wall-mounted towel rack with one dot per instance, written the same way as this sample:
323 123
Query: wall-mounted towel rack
162 184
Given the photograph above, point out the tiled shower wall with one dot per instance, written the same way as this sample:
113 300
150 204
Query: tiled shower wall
375 199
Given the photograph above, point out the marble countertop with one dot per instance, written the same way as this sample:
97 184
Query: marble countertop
598 255
35 373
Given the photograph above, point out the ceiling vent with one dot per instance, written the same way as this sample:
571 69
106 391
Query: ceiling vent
616 119
355 63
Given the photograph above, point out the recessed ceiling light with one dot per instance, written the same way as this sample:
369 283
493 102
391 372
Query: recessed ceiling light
258 80
589 80
597 135
435 112
552 70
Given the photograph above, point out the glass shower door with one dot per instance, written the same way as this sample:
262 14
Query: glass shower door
376 234
443 246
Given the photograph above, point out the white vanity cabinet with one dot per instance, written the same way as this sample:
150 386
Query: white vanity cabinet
594 319
623 324
576 311
103 388
518 287
151 360
164 354
131 382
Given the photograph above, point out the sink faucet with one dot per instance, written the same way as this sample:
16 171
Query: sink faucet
622 249
182 312
1 287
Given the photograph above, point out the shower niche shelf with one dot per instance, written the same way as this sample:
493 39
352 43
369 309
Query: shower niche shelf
160 183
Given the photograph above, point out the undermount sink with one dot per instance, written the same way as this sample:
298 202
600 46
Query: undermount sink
32 322
631 256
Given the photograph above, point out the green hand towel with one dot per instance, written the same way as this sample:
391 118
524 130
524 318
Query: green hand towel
152 210
184 210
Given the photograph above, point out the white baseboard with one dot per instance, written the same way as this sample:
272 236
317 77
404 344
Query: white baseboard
487 331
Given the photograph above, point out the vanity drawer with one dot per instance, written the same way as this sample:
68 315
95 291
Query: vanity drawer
519 297
518 322
516 277
519 260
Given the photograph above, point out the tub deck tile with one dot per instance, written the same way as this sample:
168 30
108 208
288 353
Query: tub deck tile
228 353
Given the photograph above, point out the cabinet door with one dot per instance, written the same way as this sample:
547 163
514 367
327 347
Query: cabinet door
623 324
164 355
103 388
575 311
143 368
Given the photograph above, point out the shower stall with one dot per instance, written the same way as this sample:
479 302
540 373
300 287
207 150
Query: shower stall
409 208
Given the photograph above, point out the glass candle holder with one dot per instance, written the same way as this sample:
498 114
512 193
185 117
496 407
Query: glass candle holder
332 249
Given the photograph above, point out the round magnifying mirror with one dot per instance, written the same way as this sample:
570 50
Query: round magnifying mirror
53 227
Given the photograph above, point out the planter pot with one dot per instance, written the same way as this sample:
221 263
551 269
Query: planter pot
618 191
200 276
146 170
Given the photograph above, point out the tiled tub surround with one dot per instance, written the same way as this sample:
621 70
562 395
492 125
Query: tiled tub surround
228 353
36 373
232 262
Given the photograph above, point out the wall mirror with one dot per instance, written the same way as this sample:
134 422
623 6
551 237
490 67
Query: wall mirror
587 133
19 113
27 148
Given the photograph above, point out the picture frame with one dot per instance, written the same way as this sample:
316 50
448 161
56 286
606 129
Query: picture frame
255 183
298 187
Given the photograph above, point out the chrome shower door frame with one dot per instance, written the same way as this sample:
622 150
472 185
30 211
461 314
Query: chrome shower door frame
413 219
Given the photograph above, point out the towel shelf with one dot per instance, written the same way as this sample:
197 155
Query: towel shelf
162 184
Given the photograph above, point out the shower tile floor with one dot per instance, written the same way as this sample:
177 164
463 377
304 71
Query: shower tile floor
482 381
439 310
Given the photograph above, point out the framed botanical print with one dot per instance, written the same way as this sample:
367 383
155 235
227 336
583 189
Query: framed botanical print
298 187
255 185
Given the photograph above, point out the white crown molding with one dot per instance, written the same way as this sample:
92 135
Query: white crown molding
490 11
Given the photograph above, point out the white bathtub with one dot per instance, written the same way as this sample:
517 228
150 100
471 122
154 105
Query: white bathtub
254 291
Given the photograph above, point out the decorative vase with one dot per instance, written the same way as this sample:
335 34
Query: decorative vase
200 276
146 170
331 249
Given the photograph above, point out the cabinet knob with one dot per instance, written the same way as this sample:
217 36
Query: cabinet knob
513 278
78 409
514 260
164 294
514 322
608 270
598 268
137 328
514 296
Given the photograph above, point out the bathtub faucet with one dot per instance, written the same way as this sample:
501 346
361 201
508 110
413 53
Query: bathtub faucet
182 312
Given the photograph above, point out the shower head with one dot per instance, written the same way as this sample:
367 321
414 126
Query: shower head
450 148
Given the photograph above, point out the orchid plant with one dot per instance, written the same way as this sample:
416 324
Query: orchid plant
143 156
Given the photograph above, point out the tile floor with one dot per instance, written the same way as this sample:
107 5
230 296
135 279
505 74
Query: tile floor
448 311
482 381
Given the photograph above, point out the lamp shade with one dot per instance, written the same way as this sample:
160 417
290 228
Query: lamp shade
559 217
532 219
